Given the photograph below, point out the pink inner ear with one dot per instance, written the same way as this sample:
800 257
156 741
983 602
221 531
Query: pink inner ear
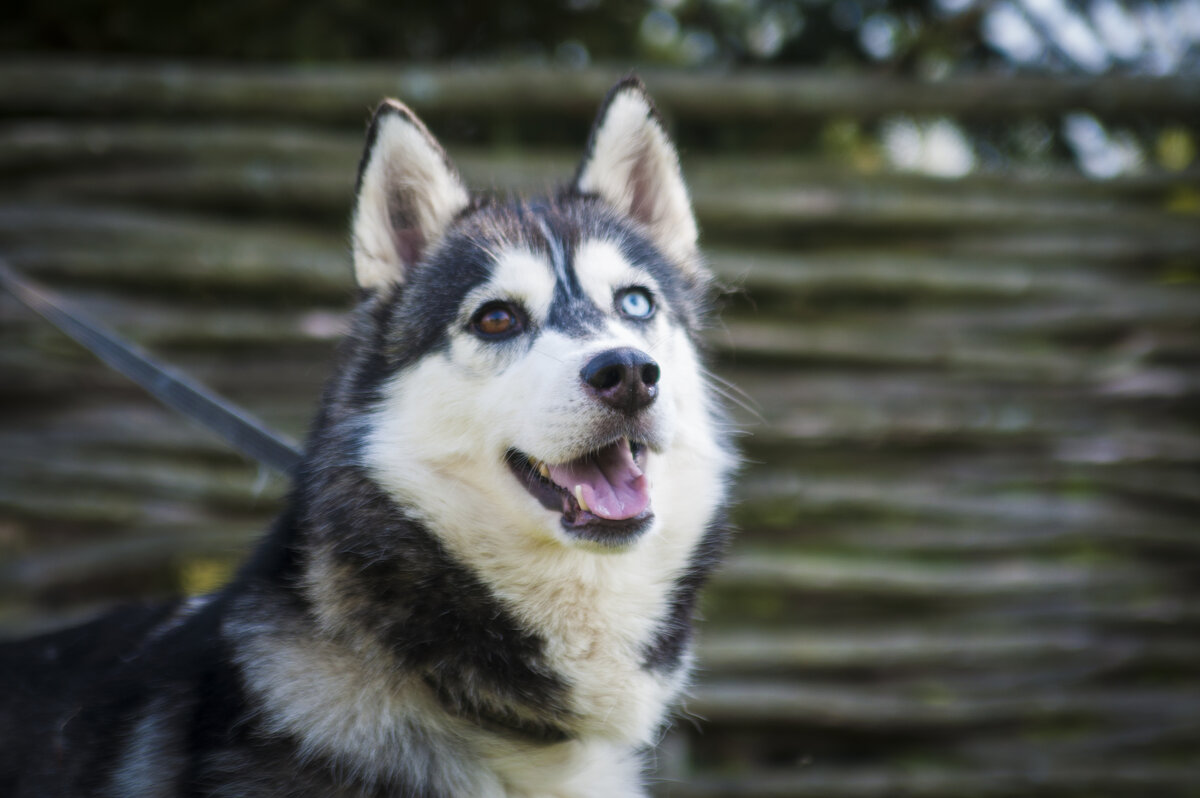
641 182
409 242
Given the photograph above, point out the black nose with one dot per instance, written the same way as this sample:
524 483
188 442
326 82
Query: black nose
625 379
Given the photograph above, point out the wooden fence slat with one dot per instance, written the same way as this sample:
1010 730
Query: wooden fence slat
893 577
884 649
721 207
820 705
49 147
1097 778
347 93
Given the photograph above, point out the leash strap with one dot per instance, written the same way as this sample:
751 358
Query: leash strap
239 429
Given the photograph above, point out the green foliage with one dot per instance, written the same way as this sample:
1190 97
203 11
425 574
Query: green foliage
572 33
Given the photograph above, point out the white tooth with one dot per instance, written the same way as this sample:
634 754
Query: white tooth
579 498
544 470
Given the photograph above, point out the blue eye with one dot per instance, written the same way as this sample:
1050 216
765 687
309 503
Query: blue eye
636 303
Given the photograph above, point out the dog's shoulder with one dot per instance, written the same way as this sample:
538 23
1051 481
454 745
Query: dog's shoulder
60 667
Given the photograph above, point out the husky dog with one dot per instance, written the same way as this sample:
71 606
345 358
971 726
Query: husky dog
483 582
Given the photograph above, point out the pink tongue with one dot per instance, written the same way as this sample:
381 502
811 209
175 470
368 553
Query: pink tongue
612 484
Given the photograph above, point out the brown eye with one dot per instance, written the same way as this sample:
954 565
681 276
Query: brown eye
498 320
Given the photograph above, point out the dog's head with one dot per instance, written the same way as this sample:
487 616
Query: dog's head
542 375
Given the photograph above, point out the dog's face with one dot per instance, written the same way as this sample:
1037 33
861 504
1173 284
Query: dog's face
545 383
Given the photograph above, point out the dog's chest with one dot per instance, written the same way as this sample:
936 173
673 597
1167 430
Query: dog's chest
597 624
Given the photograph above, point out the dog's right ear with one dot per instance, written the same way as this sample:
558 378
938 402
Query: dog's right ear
408 192
632 165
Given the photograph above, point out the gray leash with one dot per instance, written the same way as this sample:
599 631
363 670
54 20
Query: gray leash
239 429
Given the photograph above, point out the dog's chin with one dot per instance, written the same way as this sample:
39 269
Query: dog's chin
623 513
604 534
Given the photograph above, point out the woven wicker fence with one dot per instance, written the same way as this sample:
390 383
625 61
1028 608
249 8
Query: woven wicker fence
969 561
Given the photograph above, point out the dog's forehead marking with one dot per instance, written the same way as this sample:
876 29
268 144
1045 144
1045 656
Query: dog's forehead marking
519 274
601 267
558 257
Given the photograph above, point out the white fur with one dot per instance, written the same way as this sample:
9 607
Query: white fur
438 443
603 269
521 276
405 165
633 166
592 769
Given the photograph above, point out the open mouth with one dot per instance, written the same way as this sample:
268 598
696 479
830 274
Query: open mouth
603 496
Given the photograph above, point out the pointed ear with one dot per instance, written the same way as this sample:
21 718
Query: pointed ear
407 194
632 165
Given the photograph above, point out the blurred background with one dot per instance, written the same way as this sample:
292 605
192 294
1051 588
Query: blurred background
960 241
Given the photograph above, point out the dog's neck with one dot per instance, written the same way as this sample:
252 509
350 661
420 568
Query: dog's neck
385 730
437 671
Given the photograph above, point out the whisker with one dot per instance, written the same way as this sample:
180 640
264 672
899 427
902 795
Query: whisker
735 395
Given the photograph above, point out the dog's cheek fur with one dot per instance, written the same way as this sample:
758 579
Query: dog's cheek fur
696 461
431 451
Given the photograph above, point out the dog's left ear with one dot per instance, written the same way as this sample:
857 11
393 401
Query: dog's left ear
408 193
632 165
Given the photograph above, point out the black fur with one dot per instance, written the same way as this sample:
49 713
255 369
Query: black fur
666 649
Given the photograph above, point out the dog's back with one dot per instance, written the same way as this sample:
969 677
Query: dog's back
71 698
149 701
